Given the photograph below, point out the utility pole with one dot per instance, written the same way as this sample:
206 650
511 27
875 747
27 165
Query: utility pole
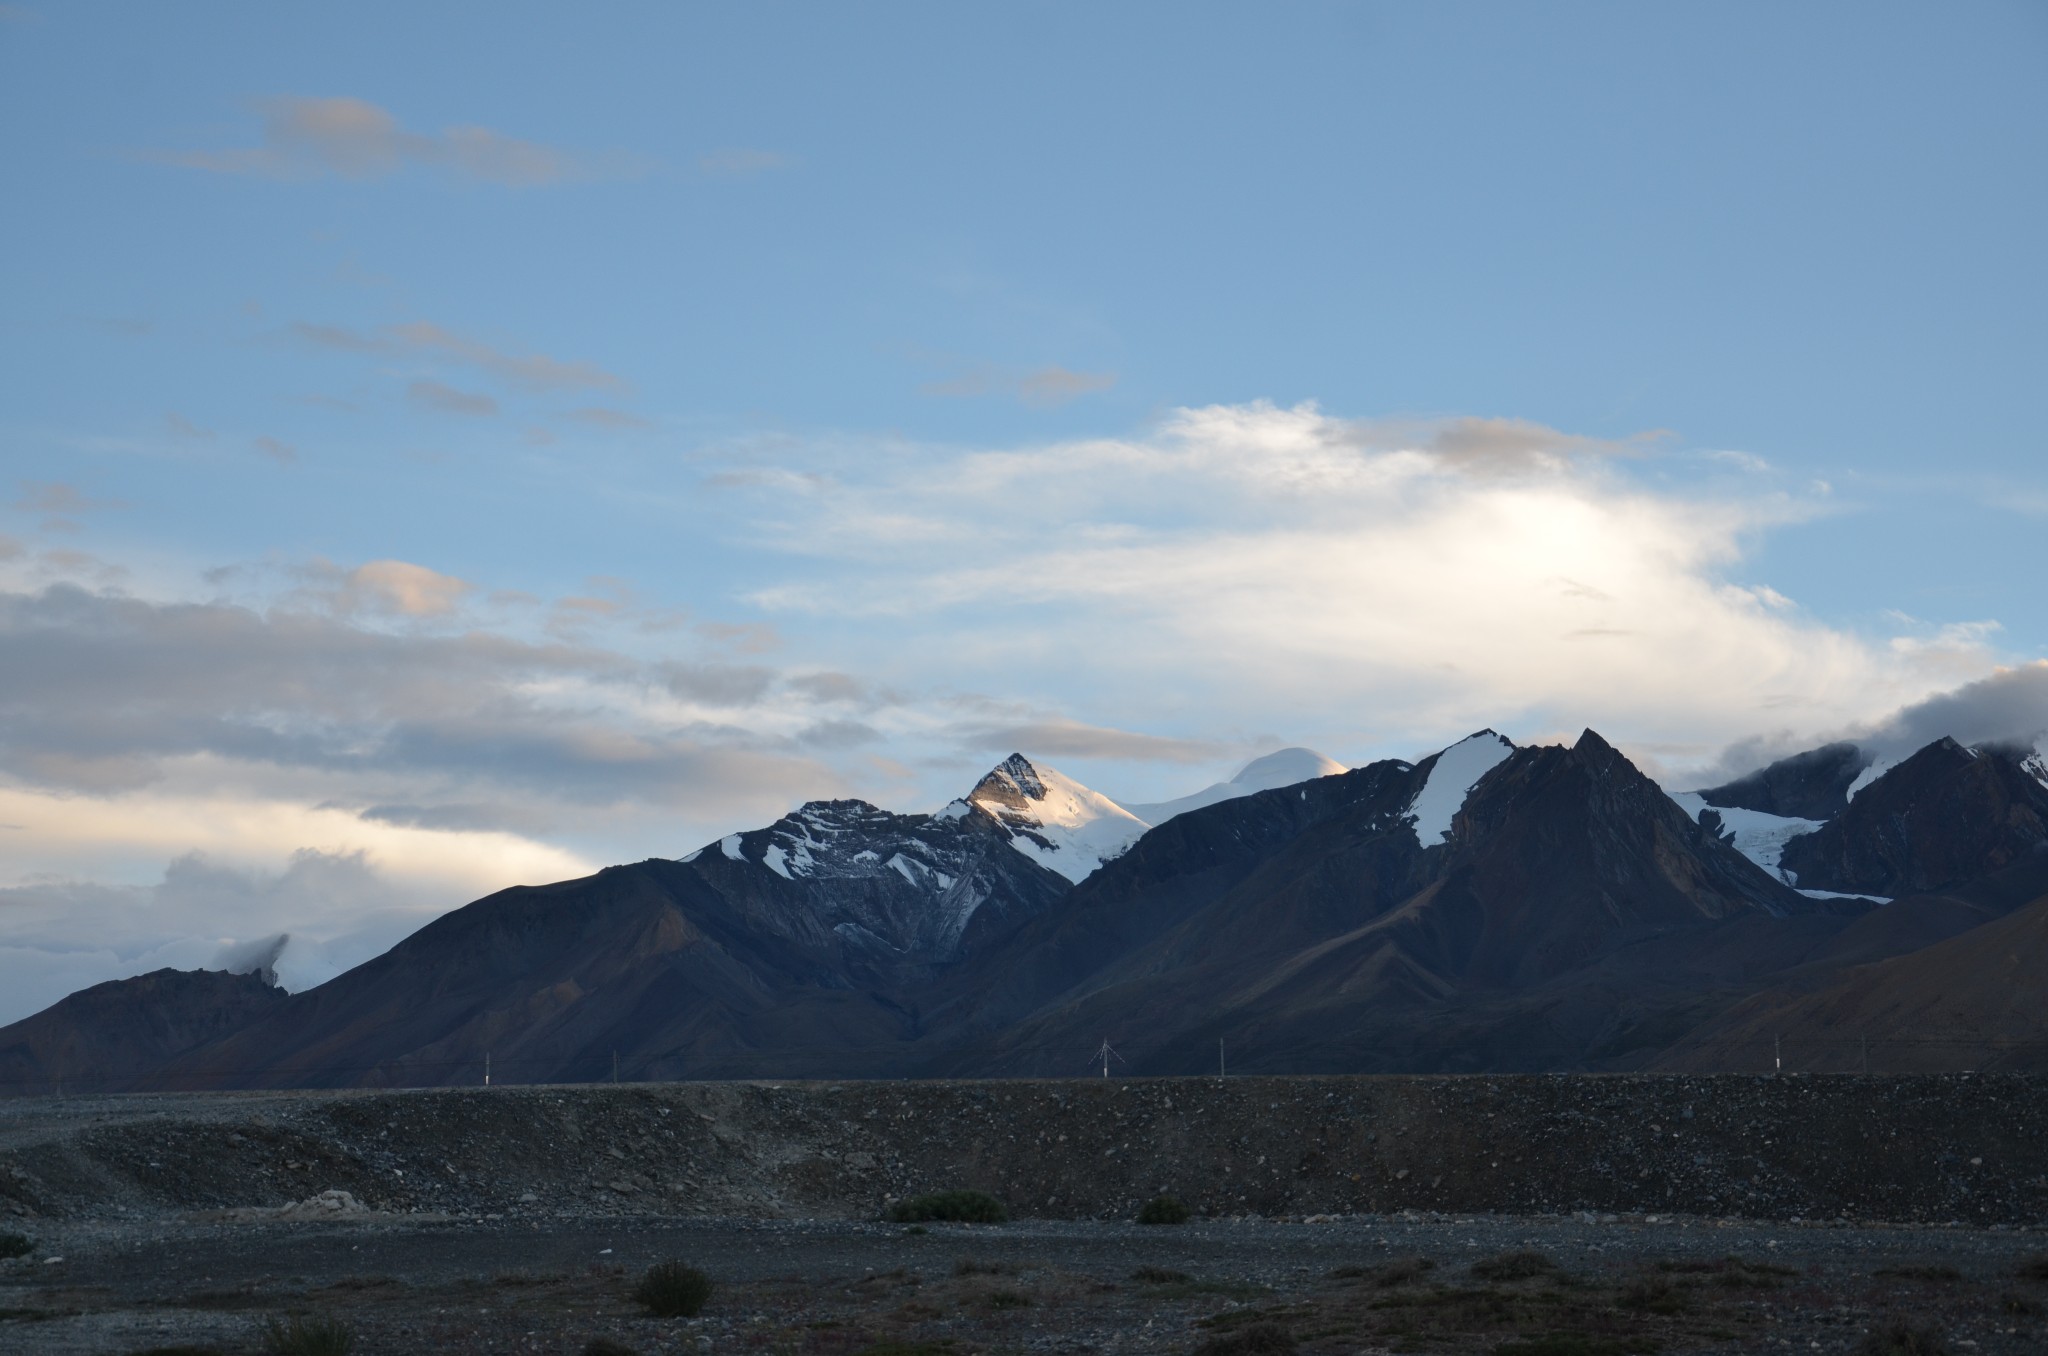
615 1066
487 1068
1106 1054
1778 1053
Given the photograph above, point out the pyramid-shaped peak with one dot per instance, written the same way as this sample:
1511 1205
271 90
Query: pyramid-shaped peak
1011 782
1052 818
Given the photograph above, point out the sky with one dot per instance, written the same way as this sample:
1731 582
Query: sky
446 447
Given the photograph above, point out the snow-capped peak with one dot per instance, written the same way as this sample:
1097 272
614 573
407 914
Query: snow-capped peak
1053 819
1283 767
1456 771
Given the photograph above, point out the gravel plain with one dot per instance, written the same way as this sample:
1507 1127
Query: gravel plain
1345 1214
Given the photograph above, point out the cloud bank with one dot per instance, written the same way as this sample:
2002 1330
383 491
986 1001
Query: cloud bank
1372 581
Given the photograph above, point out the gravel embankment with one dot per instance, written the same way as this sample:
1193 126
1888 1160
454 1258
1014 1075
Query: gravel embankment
1931 1148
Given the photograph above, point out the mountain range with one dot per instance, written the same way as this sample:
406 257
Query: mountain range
1487 908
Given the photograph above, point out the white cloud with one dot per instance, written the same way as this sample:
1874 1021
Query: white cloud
1267 567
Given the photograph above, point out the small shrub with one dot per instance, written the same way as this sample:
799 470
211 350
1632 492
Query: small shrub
1898 1337
1653 1295
962 1207
1513 1266
916 1231
1160 1276
604 1346
1919 1273
16 1245
1402 1271
1164 1210
672 1290
2018 1305
1256 1339
2035 1268
974 1266
1008 1299
308 1337
510 1279
186 1350
1398 1272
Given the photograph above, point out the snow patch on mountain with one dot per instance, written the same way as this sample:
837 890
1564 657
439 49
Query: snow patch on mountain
1284 767
2035 765
1878 767
1456 771
909 884
1837 894
1053 819
1758 836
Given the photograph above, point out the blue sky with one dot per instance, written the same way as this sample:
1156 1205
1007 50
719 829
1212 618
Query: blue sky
448 445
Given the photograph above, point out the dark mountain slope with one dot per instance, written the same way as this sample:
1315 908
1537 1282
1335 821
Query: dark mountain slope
1979 999
1486 908
1944 816
1173 874
1565 849
785 950
109 1037
788 951
543 978
1916 921
1810 785
1347 944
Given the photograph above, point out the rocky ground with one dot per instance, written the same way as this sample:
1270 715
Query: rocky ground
835 1288
1672 1214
